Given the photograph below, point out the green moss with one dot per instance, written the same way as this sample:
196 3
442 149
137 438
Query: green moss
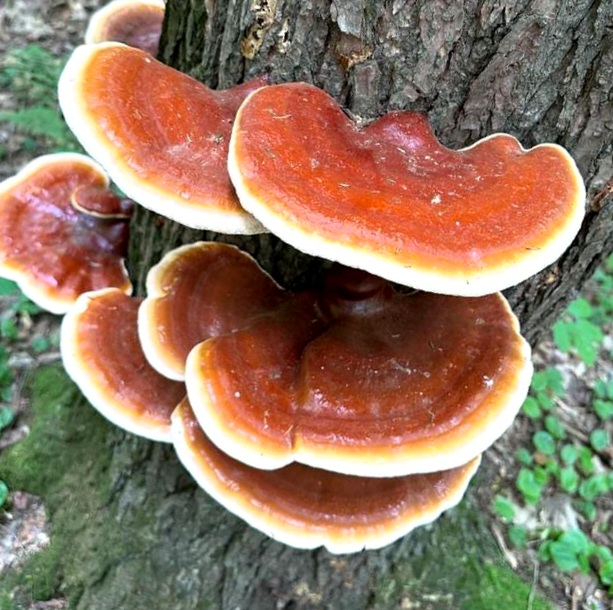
65 450
469 575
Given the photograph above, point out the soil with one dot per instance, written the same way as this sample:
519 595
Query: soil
59 26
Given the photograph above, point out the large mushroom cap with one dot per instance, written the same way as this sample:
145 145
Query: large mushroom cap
137 23
199 291
392 200
361 380
307 507
102 354
54 251
162 136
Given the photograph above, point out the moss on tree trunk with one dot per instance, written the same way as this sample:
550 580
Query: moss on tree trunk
131 531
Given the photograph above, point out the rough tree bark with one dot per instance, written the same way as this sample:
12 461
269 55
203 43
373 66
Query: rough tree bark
539 69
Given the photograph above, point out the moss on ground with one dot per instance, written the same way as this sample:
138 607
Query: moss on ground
64 460
468 575
67 459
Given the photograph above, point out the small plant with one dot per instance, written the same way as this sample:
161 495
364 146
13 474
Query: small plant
577 332
31 74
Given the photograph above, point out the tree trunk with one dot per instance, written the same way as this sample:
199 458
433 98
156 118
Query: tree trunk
541 70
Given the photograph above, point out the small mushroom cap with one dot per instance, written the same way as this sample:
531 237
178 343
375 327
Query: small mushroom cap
162 136
364 381
101 202
392 200
307 507
199 291
102 354
52 250
137 23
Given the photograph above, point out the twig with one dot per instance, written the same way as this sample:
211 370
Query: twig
535 577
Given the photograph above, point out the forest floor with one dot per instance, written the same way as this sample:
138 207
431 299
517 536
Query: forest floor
534 493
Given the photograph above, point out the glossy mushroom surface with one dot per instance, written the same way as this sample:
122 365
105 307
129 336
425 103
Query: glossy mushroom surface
161 135
390 199
361 380
199 291
307 507
136 23
102 354
52 250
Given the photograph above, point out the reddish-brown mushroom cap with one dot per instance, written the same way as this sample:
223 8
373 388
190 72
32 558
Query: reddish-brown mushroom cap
361 380
307 507
161 135
101 202
52 250
137 23
199 291
102 354
392 200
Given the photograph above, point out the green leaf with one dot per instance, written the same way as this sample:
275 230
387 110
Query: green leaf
40 344
569 479
8 329
6 417
544 442
529 486
562 335
554 427
596 485
599 439
580 309
545 401
539 381
604 409
4 492
524 456
518 536
569 454
585 460
531 408
504 508
7 287
555 381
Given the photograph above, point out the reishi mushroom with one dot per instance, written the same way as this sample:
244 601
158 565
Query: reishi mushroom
54 251
390 199
137 23
161 135
102 354
307 507
198 291
298 505
359 379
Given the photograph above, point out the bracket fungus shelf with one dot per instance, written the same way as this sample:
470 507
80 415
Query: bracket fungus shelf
136 23
361 380
162 136
299 505
63 232
390 199
102 354
307 507
199 291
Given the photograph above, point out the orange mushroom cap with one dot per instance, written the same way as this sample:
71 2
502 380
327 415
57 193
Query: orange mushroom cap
307 507
137 23
162 136
102 354
199 291
54 251
361 380
390 199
